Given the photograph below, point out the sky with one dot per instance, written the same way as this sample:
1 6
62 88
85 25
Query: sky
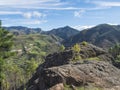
49 14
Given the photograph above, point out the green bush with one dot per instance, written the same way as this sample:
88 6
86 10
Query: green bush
62 48
76 50
84 43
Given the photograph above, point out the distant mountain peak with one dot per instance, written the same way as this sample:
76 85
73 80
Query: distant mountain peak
67 26
63 28
103 35
104 25
63 32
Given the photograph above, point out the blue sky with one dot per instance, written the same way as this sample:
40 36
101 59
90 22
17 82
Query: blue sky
48 14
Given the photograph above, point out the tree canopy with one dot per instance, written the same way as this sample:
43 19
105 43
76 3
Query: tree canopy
5 46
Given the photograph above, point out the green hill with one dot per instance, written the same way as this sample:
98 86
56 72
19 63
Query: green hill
39 42
20 30
29 51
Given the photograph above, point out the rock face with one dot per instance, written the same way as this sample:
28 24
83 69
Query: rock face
91 51
58 70
87 51
97 73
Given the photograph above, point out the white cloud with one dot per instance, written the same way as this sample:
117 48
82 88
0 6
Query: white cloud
107 4
24 2
27 15
47 4
52 4
10 12
38 14
23 22
34 22
80 27
34 14
37 4
61 8
112 23
79 13
30 3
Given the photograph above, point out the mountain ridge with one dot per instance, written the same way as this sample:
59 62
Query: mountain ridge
23 30
102 35
63 32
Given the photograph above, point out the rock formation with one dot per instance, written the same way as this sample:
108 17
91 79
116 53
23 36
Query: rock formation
59 72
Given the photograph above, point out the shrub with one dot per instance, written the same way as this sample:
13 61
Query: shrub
76 48
62 48
84 43
76 51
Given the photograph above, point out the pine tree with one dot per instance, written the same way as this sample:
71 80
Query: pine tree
30 67
115 51
5 46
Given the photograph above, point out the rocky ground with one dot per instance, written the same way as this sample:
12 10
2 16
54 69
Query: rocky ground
94 71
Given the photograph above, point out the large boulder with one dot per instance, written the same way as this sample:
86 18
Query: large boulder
97 74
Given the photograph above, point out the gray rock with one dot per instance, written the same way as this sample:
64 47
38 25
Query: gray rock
96 73
58 70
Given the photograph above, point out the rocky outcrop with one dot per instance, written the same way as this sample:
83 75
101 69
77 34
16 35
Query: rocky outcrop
91 51
86 52
90 73
59 70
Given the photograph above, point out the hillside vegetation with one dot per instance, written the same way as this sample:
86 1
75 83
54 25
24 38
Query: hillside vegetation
28 52
20 30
